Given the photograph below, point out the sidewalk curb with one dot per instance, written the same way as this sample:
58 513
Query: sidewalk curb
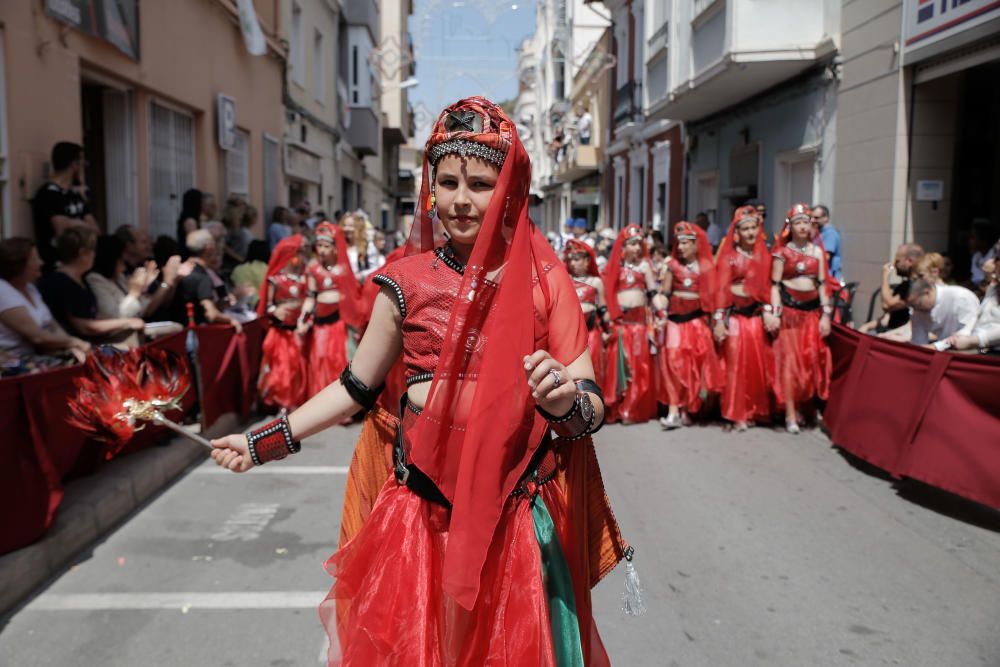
93 506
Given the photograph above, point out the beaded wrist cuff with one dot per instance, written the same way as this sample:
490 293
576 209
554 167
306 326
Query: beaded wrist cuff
271 442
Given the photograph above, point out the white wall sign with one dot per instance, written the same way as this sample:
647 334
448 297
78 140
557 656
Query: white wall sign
928 21
930 190
226 113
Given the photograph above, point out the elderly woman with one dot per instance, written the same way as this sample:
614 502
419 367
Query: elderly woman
26 324
468 556
138 294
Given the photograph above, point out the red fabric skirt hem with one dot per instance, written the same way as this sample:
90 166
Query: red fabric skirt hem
327 355
749 370
688 365
801 357
283 371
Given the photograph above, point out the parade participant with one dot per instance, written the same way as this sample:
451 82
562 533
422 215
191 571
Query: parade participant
581 263
688 366
470 549
744 271
630 383
330 305
283 372
799 315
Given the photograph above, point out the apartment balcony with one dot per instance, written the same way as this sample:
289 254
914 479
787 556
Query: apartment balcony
575 162
363 13
363 132
628 103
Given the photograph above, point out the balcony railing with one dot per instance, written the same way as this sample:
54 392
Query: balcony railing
628 104
363 132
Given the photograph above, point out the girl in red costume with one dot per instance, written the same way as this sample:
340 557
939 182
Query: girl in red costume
629 283
688 365
282 379
799 314
744 269
481 548
330 305
581 263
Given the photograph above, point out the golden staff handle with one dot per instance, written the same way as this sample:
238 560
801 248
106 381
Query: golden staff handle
158 418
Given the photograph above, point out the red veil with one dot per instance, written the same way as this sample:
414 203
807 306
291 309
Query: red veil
785 236
479 429
283 252
352 309
572 245
707 281
757 282
614 267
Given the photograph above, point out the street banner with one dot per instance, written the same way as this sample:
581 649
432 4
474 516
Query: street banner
253 37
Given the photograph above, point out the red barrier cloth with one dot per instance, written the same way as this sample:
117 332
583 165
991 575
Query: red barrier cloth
931 416
229 366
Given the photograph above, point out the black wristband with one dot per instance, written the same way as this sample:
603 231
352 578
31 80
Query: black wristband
552 419
592 387
362 394
650 293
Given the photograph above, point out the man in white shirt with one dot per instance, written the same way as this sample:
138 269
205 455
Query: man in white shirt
939 310
712 231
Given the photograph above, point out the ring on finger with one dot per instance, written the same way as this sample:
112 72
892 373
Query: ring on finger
556 378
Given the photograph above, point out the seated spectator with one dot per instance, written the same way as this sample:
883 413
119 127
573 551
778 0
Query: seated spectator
249 276
896 312
203 287
58 204
982 248
138 247
280 227
71 301
939 311
27 327
930 267
139 294
984 333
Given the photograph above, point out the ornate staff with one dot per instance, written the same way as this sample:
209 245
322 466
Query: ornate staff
120 393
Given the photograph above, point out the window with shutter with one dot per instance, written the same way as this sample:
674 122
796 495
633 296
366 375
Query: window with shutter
119 159
238 166
171 166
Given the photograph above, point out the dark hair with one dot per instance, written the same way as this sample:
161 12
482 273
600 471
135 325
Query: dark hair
126 233
258 251
826 209
913 251
191 205
14 254
73 241
278 214
164 248
249 215
110 249
64 154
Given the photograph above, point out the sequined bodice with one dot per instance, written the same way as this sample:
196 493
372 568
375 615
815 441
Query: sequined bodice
797 264
739 266
630 276
289 289
586 292
325 276
686 278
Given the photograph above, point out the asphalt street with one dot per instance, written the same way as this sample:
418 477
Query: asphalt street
754 549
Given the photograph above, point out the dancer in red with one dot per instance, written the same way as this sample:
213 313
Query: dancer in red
581 263
689 368
799 314
629 285
744 270
283 372
332 302
482 547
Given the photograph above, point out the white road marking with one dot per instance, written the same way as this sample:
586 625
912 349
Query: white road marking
247 523
177 601
213 469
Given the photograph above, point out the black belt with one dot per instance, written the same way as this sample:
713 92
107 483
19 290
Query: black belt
746 311
686 317
332 318
418 482
591 319
278 324
789 301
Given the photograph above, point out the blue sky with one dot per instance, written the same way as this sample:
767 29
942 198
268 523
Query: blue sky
463 48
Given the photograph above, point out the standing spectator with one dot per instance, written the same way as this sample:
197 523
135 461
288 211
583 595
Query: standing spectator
761 209
584 127
57 205
830 236
305 216
940 311
26 324
280 227
203 287
712 230
981 248
197 208
71 301
138 247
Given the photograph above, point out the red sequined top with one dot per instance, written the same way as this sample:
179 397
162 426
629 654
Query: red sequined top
736 273
326 281
586 292
288 288
630 277
796 265
684 280
425 287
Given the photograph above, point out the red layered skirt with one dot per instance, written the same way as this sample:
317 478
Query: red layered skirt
387 605
688 366
629 376
749 369
283 372
802 358
327 349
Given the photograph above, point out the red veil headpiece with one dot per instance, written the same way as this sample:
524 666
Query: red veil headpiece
479 429
614 266
707 283
757 282
283 252
785 237
572 246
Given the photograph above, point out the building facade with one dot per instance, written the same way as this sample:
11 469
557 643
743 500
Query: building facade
139 96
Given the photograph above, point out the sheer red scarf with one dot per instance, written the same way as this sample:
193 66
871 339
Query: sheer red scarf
572 246
707 278
479 430
282 254
757 282
614 267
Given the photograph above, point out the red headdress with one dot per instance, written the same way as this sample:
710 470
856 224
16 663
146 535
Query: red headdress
479 429
757 282
614 266
352 309
574 246
707 284
785 237
283 252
